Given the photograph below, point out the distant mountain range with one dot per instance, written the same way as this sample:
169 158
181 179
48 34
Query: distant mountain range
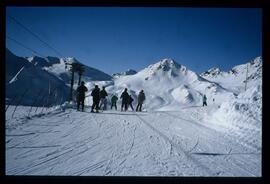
169 85
166 83
41 76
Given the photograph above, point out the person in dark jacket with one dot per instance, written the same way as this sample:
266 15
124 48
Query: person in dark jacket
204 100
125 97
113 101
103 100
130 100
141 98
96 98
81 95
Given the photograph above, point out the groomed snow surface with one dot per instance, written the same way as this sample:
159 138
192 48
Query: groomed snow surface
188 141
173 136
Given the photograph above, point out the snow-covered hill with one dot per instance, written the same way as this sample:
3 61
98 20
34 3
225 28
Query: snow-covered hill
170 86
41 75
234 80
173 136
167 85
26 83
57 67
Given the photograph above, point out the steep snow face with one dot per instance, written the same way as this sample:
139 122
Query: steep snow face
13 65
25 77
234 80
38 61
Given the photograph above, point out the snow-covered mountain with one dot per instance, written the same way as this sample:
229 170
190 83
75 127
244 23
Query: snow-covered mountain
167 84
41 75
128 72
57 67
235 78
23 76
174 136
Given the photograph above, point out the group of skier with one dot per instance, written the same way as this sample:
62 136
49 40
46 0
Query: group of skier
100 99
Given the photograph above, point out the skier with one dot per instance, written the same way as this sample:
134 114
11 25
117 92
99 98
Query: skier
125 97
204 100
130 100
81 95
113 101
103 100
96 98
141 98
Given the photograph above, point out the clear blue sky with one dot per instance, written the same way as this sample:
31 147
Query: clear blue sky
114 39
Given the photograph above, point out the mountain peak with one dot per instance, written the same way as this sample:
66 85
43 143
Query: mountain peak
128 72
71 60
256 61
212 72
168 62
165 65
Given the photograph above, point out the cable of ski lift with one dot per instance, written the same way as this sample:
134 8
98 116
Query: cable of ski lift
24 46
35 35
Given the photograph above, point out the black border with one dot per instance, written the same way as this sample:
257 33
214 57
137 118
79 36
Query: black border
142 3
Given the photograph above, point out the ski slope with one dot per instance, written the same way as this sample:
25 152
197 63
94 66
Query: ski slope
114 143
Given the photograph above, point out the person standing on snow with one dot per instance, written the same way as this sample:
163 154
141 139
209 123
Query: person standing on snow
125 97
81 95
103 100
141 98
96 98
204 100
130 100
113 101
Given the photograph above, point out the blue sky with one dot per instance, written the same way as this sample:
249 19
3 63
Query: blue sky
114 39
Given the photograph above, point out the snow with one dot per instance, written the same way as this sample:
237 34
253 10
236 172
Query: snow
173 136
30 59
57 68
234 80
128 72
15 77
113 143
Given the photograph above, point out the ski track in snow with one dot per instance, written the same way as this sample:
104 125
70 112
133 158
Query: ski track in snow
217 136
113 143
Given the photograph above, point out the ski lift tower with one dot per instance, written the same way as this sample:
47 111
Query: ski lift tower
74 67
